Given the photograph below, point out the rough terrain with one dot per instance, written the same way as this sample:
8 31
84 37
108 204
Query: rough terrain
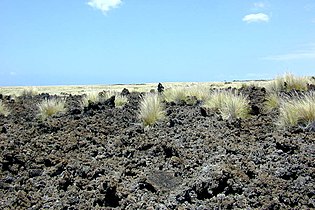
102 157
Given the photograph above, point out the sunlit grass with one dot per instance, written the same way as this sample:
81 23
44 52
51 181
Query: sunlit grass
272 102
235 106
176 95
4 110
90 97
201 93
29 91
297 111
230 105
151 109
50 107
288 82
216 99
120 100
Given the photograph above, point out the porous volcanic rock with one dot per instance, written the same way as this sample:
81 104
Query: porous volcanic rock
103 158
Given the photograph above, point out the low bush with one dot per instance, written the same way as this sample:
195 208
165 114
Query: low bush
49 107
297 111
151 109
3 109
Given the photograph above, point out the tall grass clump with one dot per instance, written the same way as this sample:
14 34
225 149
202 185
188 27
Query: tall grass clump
229 104
297 111
201 93
29 92
217 99
50 107
272 102
3 109
176 95
90 97
288 82
151 109
120 100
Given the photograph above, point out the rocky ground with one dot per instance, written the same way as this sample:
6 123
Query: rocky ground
102 158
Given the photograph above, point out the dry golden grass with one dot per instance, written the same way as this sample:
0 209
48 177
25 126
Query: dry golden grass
288 82
29 91
176 94
4 110
230 105
216 99
272 102
151 109
50 107
297 111
120 100
90 97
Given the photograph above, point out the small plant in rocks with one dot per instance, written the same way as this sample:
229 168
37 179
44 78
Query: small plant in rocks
120 100
90 97
3 109
297 111
50 107
151 109
288 82
272 102
228 104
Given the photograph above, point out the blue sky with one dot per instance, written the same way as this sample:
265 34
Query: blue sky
64 42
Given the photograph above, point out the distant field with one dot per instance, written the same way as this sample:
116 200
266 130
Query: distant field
146 87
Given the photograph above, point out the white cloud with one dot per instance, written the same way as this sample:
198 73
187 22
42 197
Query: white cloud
104 5
258 17
259 5
298 55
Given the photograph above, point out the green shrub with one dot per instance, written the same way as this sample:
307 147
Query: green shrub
151 109
3 109
297 111
49 107
228 104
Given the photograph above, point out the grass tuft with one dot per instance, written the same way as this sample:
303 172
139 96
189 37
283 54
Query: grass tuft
49 107
176 95
297 111
120 100
272 102
29 92
229 105
216 99
90 97
288 82
3 109
151 109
